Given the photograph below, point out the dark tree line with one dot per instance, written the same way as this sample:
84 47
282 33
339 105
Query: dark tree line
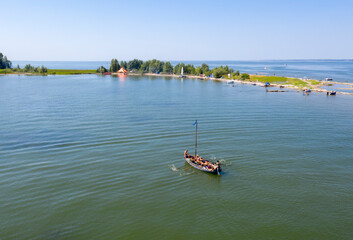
139 66
30 69
4 62
157 66
102 69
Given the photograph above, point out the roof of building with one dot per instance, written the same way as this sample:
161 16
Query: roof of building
122 70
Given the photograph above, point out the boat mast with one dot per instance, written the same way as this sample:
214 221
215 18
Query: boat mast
196 140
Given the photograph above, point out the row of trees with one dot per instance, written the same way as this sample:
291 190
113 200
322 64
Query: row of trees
131 65
102 70
156 66
30 69
136 65
4 62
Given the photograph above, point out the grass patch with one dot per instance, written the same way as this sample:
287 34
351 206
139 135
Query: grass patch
52 71
314 82
70 71
3 71
279 80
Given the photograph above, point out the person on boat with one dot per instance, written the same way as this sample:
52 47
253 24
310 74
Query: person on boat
186 153
201 160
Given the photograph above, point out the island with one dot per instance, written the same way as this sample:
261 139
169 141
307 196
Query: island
156 67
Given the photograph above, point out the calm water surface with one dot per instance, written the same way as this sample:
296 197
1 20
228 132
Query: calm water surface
92 157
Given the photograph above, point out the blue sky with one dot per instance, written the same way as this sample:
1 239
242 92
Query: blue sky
176 30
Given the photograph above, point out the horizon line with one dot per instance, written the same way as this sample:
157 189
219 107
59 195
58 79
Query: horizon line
293 59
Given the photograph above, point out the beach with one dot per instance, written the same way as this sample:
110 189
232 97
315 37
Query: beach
278 85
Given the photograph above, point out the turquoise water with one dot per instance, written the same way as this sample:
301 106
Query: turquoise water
93 157
339 70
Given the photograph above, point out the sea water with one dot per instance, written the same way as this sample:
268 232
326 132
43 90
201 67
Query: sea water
101 157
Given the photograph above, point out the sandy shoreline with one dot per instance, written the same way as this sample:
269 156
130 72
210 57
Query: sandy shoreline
316 89
287 86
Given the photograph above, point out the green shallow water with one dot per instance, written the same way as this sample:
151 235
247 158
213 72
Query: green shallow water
91 157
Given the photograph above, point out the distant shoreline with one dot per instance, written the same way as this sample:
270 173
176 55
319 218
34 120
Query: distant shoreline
251 81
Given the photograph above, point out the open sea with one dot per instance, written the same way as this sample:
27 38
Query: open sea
101 157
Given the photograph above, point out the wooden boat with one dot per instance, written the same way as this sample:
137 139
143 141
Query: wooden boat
200 163
210 167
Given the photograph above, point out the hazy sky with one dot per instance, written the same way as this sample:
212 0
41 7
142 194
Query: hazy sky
176 30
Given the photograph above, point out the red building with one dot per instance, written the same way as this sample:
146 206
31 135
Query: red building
122 70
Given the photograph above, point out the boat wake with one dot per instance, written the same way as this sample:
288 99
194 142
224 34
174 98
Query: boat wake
182 170
173 168
222 161
225 163
186 173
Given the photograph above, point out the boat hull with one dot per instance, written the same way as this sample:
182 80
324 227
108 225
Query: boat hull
201 168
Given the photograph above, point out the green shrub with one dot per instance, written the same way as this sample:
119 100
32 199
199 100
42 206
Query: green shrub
244 76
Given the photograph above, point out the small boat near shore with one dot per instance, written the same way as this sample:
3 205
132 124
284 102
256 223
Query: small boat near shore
331 93
182 73
267 84
199 162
